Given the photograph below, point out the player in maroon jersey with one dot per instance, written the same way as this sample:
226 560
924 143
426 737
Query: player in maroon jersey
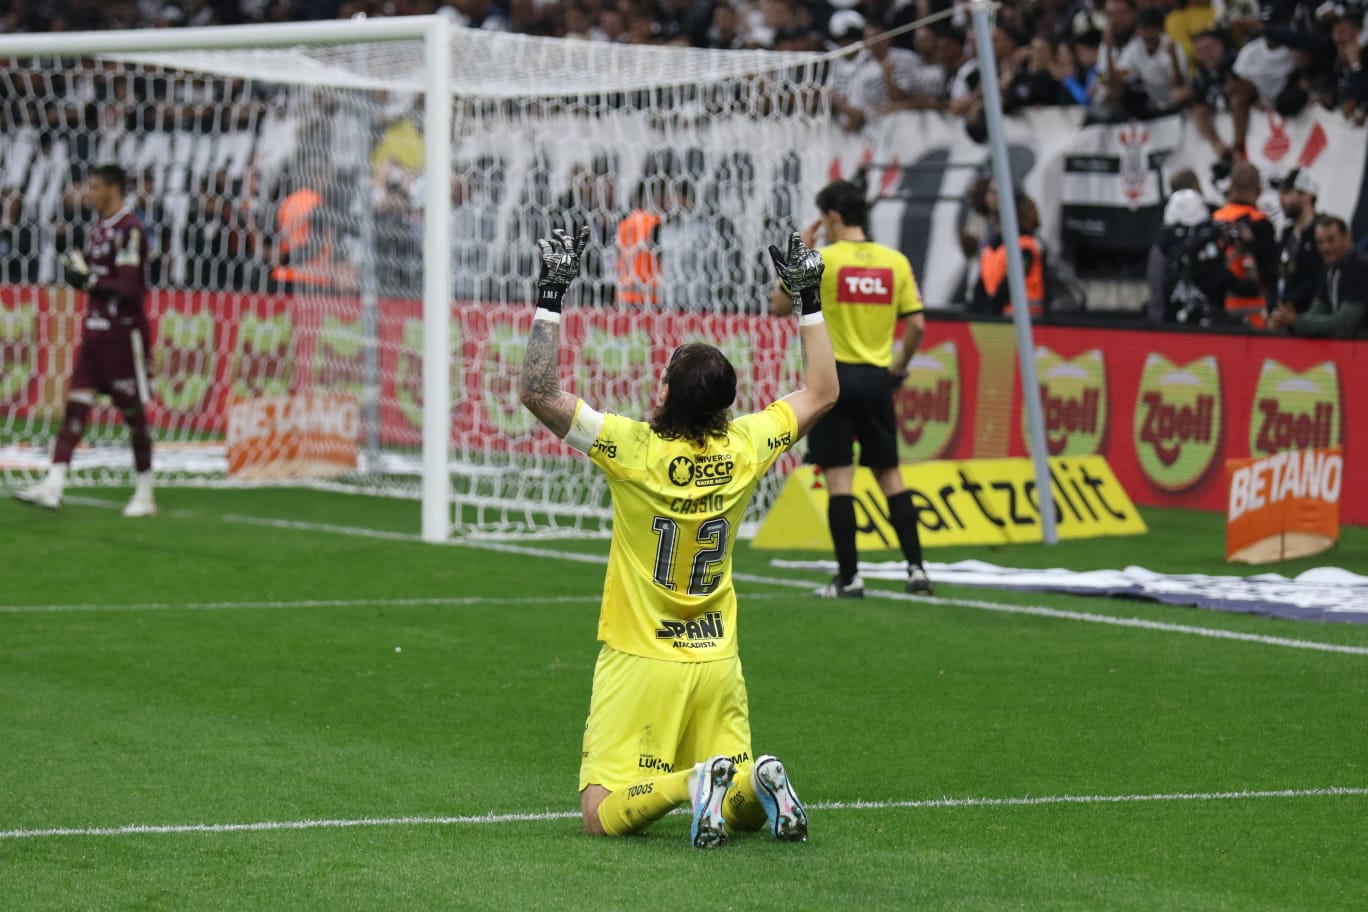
115 339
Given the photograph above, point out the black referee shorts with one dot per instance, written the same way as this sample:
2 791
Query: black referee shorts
863 412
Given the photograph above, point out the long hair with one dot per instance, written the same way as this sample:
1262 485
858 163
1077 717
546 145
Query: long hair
702 386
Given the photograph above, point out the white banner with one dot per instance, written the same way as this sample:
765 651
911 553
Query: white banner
1325 593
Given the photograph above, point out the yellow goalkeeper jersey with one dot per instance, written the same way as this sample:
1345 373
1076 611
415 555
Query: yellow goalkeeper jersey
677 507
866 289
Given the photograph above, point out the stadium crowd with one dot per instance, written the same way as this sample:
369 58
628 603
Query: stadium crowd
225 222
1120 58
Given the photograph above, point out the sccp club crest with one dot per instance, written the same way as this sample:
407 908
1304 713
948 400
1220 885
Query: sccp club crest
681 471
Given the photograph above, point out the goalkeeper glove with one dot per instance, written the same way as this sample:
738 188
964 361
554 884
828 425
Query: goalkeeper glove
560 265
77 272
801 273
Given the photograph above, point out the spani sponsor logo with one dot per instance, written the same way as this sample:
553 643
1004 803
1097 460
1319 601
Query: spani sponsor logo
697 633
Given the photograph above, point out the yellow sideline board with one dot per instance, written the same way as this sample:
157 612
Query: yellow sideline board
969 502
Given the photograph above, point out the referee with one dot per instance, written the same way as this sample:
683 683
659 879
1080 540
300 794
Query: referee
866 289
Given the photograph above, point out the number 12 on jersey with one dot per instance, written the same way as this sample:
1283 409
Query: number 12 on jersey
705 572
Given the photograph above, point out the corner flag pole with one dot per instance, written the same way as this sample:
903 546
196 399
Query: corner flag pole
981 11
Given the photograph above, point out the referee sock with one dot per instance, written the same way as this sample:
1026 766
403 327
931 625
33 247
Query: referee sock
902 516
634 808
742 809
841 521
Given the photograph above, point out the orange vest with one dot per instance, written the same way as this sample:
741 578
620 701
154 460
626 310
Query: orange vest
993 272
638 266
1251 308
292 225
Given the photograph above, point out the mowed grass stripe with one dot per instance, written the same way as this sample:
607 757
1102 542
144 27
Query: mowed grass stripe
533 816
975 604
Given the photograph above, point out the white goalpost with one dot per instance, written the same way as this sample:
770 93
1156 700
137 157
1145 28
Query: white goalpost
427 159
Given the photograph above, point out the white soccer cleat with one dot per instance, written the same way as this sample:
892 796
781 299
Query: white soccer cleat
140 506
839 590
44 494
918 583
784 814
711 781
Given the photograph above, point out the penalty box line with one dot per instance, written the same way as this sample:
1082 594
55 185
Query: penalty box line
474 819
977 604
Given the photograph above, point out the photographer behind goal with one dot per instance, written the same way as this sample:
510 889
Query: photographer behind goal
1207 264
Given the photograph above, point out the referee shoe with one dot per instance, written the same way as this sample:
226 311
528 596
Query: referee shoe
918 583
839 590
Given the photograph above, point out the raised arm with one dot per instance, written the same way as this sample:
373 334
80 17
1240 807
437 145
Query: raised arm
540 390
800 270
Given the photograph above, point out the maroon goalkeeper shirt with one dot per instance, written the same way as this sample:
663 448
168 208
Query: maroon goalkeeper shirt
116 250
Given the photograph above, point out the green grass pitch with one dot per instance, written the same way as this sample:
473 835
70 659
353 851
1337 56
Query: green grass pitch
200 668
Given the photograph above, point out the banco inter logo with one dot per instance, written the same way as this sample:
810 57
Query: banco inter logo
681 471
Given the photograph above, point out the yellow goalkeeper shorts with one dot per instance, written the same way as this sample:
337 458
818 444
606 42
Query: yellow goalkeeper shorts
651 716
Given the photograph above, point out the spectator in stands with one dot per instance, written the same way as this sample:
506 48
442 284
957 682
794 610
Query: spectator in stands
1339 308
308 244
1117 34
1251 249
1211 71
1082 17
725 31
692 255
1036 82
1186 20
1145 78
591 199
638 247
895 78
992 295
1076 67
1349 71
474 228
1299 262
846 29
966 95
1259 74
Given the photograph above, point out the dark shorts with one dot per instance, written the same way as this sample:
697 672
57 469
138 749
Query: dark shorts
864 412
114 362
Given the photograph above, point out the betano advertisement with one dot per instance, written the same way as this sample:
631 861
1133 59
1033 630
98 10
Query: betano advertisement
1166 409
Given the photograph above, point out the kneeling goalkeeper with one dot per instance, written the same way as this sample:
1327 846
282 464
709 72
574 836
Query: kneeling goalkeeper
668 719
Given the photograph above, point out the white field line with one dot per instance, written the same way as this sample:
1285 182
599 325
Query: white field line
928 803
304 603
587 599
977 604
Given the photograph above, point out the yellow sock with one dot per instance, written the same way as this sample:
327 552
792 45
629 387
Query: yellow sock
632 809
742 809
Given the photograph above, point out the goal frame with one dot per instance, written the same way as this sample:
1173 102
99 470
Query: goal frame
435 33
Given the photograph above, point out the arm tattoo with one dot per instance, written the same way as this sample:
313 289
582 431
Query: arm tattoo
540 388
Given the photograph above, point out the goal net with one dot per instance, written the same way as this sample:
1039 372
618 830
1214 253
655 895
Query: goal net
285 187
